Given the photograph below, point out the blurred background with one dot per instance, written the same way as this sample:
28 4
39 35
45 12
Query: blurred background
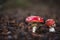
49 8
14 12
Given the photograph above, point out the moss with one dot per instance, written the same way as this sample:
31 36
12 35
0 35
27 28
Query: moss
22 3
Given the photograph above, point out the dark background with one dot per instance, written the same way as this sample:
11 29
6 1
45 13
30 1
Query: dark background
44 8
